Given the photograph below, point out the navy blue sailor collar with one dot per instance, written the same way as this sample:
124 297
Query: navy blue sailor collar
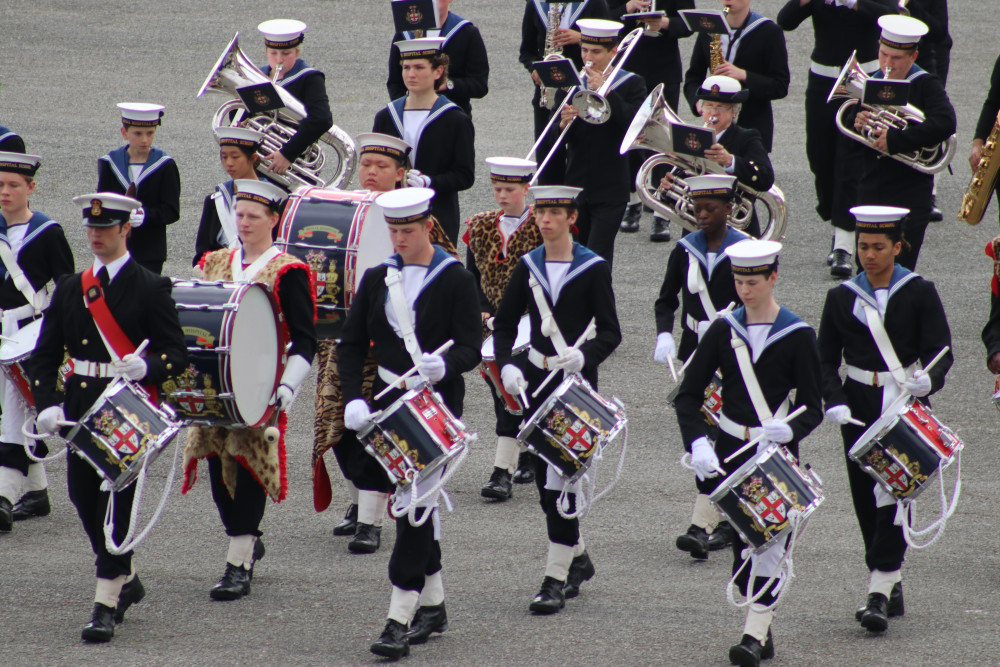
784 324
861 286
37 224
916 71
451 26
299 69
442 105
118 159
440 261
696 245
575 8
583 259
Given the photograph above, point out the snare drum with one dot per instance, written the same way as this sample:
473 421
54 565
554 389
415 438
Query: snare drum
16 351
905 448
235 354
339 235
765 493
712 405
414 436
573 424
491 371
122 433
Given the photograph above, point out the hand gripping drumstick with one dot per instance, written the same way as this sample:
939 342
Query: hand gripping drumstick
795 413
725 311
398 381
587 333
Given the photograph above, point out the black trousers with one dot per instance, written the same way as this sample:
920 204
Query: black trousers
242 513
742 581
560 530
91 504
598 223
13 456
828 151
360 467
416 554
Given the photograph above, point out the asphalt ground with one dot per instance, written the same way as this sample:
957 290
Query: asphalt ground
67 64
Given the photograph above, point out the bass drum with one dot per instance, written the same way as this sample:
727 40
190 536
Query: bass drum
339 235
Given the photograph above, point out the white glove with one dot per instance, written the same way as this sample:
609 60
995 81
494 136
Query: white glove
296 370
48 420
839 414
137 217
284 397
847 3
417 180
919 385
665 347
513 379
131 366
432 366
357 415
778 431
571 360
703 459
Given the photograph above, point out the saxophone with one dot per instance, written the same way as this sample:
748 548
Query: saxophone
977 196
551 52
715 57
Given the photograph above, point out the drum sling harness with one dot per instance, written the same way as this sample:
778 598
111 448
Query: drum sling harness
37 301
225 214
764 414
394 285
550 329
696 285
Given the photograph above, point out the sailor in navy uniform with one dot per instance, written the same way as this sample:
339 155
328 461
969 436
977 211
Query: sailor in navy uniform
34 253
778 350
593 160
573 288
283 39
143 171
140 302
468 63
437 296
10 141
910 319
440 133
699 280
888 182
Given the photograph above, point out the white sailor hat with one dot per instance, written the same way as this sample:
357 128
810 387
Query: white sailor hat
725 89
282 33
555 195
511 169
878 219
424 47
599 31
241 137
262 192
717 186
141 114
105 209
901 32
19 163
383 144
753 256
406 205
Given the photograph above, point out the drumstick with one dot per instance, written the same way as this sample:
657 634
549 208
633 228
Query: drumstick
856 422
795 413
725 311
670 362
926 369
398 381
591 328
524 398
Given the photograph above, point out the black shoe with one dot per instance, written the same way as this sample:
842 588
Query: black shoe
875 617
393 643
660 231
349 524
721 537
936 215
426 621
367 539
580 570
749 652
550 598
630 223
525 473
841 266
6 515
235 583
829 258
101 627
132 593
895 608
500 486
695 542
32 504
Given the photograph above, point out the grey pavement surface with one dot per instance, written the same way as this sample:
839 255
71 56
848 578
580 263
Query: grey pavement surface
67 64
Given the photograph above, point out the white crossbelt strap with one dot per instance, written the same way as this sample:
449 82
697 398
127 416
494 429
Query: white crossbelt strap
226 220
696 285
394 283
241 275
882 342
750 379
14 269
549 326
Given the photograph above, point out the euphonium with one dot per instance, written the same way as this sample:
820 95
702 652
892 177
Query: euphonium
650 130
551 52
235 70
850 84
977 196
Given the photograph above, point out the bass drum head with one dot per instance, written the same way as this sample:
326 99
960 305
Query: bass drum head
21 343
374 244
255 355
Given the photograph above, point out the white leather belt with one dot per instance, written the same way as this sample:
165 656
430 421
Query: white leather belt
390 378
21 312
745 433
874 378
94 369
692 323
539 360
833 71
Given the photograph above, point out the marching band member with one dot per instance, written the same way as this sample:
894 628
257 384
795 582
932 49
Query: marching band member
33 252
881 322
411 304
889 182
468 63
593 161
987 117
115 304
754 54
442 136
563 286
763 351
283 41
497 240
244 466
840 28
141 170
698 270
10 141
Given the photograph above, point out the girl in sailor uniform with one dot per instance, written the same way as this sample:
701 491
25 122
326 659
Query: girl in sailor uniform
908 322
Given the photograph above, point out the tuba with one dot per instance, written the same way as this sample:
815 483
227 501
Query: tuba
235 70
850 84
650 130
